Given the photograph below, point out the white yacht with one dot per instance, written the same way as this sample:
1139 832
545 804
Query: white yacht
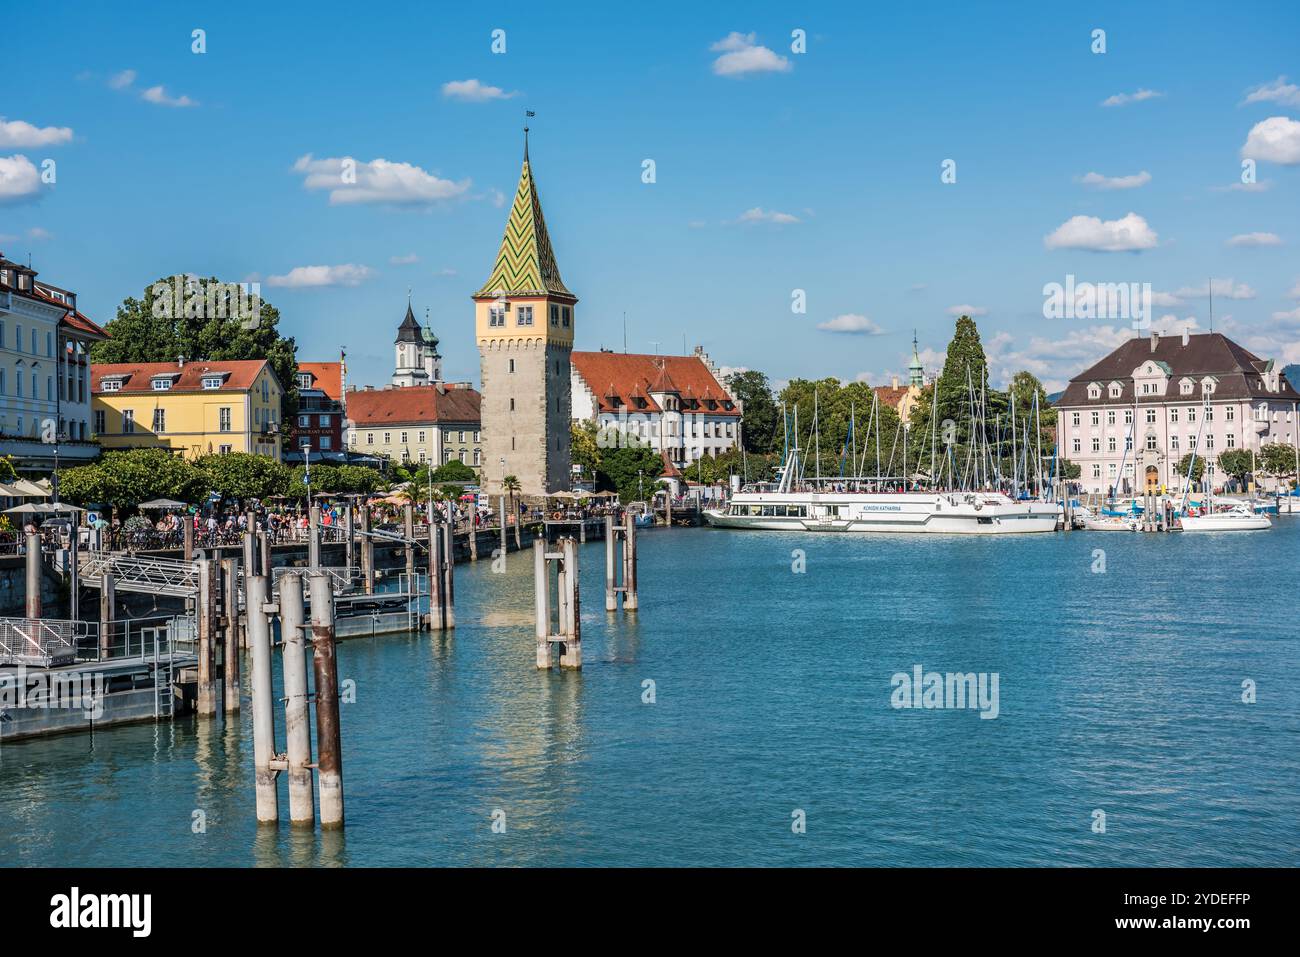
1236 518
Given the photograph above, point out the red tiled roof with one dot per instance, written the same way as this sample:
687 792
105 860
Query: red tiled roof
241 374
413 405
628 376
72 319
891 396
328 377
670 470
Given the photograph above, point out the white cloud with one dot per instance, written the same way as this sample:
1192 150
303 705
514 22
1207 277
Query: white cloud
852 324
1295 291
1097 181
472 91
1053 361
498 198
405 260
1112 236
917 287
1256 239
741 54
306 277
1274 140
760 215
1122 99
39 234
18 133
1288 317
1262 186
445 272
378 181
1165 299
965 309
158 95
1279 91
1223 289
19 180
120 81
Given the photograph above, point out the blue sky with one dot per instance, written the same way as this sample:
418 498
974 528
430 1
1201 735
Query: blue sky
775 170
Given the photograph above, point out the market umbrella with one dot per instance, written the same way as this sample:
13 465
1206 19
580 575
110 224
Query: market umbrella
31 508
30 489
162 503
562 494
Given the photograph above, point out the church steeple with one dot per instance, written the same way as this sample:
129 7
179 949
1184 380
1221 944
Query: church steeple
916 374
525 263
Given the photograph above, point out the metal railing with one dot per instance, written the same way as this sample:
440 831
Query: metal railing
43 642
150 576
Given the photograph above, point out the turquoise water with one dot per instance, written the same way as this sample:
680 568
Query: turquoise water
1118 692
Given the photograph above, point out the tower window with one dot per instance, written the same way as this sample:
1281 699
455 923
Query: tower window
512 365
555 315
525 317
512 405
496 316
567 314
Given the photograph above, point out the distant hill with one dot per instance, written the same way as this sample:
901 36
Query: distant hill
1053 396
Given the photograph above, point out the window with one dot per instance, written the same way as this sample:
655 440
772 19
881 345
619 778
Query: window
1151 416
1191 415
388 438
33 342
1110 417
1110 444
212 382
512 404
1232 441
555 315
1096 444
420 437
223 419
324 421
49 343
512 365
128 421
566 314
304 380
160 420
1209 441
1096 418
99 421
496 316
1209 415
1173 443
478 456
1230 413
1173 415
162 385
1151 441
1096 470
110 385
1128 416
404 438
49 388
18 338
476 437
223 449
1115 390
18 381
1074 419
326 443
1077 445
370 438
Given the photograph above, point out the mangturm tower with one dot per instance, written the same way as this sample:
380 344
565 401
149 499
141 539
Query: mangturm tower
524 317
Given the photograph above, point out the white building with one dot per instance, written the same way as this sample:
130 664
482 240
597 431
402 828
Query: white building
45 414
417 361
675 404
1155 390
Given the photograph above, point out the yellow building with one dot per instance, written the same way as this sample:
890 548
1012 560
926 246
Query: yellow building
195 408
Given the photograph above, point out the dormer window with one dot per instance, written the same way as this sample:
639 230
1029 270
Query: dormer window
1115 390
161 383
1094 391
212 382
110 385
304 379
1185 387
1207 387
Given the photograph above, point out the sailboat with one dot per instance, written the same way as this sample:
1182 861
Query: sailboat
1238 517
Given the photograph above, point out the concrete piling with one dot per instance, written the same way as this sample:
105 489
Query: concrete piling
33 576
230 652
408 532
259 637
264 552
436 619
107 599
329 762
349 535
205 608
571 653
313 537
367 553
297 710
504 546
542 602
187 536
611 546
74 574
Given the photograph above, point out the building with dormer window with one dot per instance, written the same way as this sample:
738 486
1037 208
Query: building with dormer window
416 352
1129 419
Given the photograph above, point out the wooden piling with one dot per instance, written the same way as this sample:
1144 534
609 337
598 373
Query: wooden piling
259 632
571 654
349 535
74 573
264 553
33 576
205 609
437 618
230 652
297 710
542 601
504 546
611 546
329 763
448 577
187 537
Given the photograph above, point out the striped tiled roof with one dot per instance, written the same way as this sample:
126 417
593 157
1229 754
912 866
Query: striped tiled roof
525 263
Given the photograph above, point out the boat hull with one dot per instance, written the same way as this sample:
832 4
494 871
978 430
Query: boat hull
905 513
1225 523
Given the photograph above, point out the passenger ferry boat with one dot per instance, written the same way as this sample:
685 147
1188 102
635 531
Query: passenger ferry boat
820 507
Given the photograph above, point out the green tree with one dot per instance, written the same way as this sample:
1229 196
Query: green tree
1278 459
204 326
125 479
761 417
1236 463
1198 471
829 414
241 475
455 471
585 450
1070 471
7 471
630 470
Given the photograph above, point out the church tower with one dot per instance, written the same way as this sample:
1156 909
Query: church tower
415 351
915 372
524 321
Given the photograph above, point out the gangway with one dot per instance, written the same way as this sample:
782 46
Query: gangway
148 576
42 642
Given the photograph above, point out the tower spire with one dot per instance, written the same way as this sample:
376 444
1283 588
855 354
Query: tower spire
527 114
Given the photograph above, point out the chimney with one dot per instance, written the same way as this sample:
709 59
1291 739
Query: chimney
895 385
1155 340
180 362
1186 336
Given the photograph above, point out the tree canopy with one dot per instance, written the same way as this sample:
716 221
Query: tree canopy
760 430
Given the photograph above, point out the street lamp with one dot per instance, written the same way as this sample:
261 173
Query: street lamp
306 457
640 487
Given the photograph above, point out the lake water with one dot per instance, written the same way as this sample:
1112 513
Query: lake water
1119 692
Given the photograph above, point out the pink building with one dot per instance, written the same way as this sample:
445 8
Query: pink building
1164 382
